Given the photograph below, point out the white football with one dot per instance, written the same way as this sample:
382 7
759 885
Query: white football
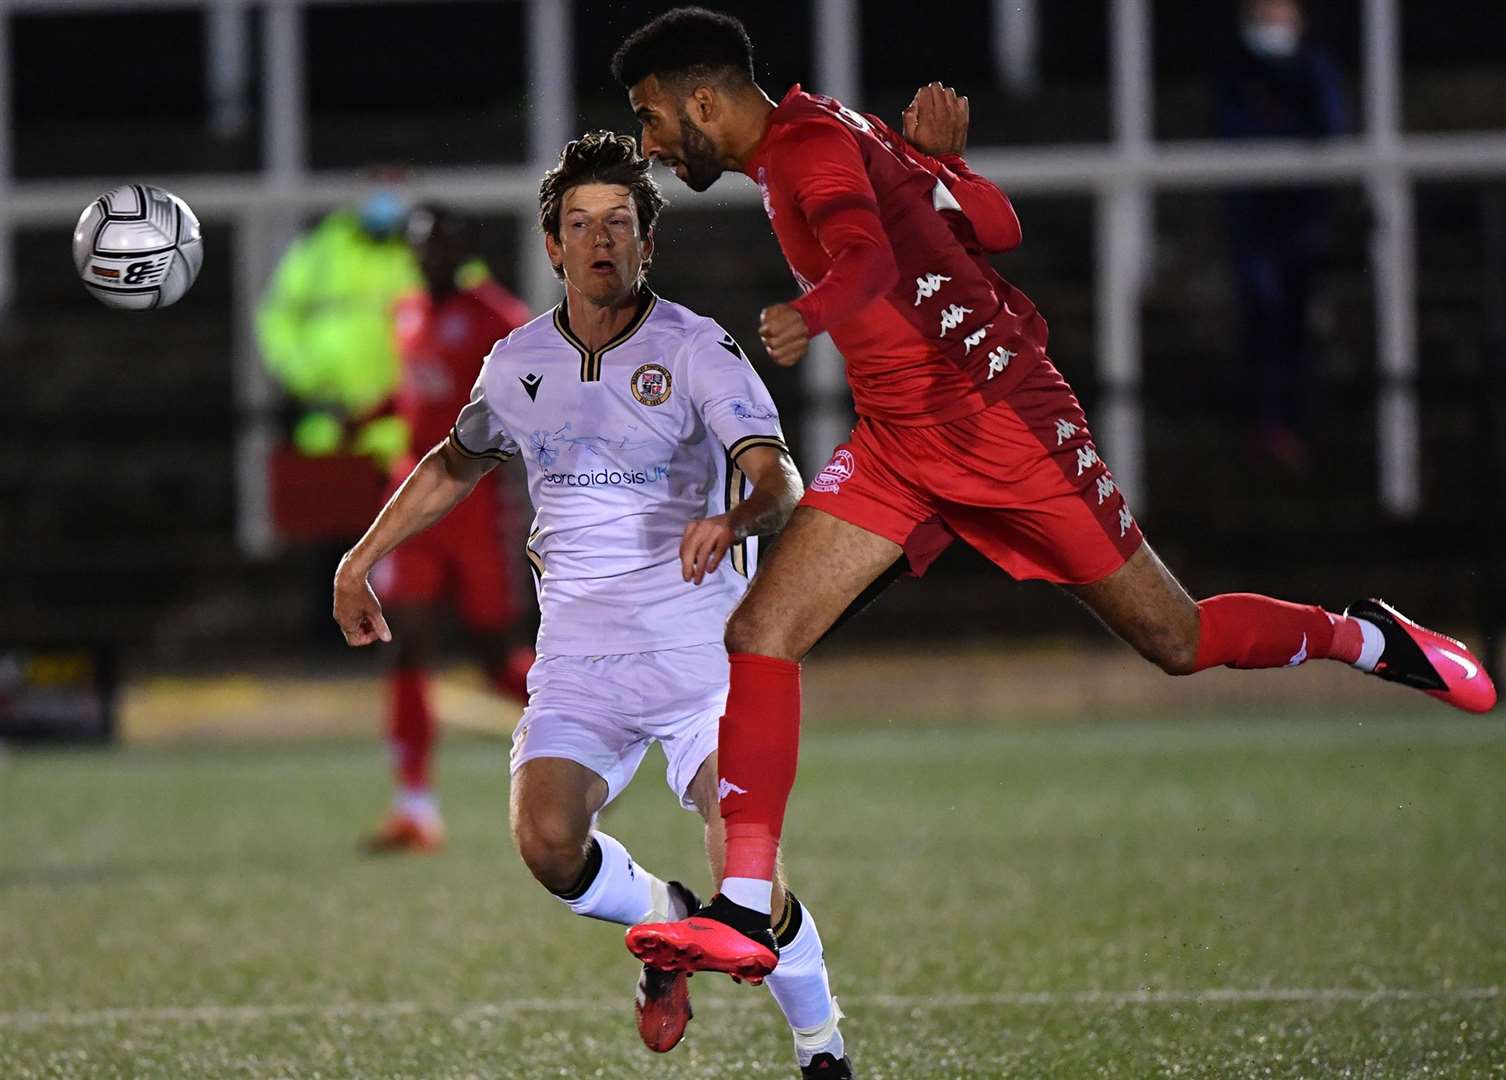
137 247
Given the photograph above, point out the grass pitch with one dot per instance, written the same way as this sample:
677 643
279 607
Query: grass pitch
1272 897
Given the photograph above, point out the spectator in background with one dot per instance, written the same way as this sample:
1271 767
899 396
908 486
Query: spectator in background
325 325
443 332
1278 83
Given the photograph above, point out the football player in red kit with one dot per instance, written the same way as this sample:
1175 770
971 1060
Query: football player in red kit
443 334
965 430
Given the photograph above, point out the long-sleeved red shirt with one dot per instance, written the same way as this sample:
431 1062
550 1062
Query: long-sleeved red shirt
889 247
442 345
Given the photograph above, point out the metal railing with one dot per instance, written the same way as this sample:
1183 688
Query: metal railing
1121 177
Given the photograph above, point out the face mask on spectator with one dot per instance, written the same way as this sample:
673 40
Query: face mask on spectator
1275 41
383 211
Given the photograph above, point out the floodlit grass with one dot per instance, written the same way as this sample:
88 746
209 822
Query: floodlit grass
1281 897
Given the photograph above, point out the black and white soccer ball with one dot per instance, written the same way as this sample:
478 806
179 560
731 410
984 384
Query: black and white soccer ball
137 247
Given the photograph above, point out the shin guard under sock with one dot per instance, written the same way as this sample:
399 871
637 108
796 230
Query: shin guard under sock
757 754
800 986
1246 630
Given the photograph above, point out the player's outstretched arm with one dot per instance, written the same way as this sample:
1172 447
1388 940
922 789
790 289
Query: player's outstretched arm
825 175
443 478
935 124
936 121
776 490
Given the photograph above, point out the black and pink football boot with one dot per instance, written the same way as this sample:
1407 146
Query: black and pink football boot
722 936
1426 660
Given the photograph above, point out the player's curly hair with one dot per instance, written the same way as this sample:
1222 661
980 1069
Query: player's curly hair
686 42
600 157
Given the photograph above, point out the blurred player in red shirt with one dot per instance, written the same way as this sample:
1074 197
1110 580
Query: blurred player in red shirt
965 430
442 336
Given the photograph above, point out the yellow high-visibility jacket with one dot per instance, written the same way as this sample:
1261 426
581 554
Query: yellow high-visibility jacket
325 323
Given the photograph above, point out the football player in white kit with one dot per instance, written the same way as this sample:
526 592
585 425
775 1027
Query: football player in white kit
655 461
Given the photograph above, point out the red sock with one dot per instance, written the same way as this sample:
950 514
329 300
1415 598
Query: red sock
410 725
1244 630
511 679
757 752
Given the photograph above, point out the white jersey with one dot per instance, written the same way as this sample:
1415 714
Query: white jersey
624 447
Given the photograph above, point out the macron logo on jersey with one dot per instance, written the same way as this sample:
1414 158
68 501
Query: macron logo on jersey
729 343
725 787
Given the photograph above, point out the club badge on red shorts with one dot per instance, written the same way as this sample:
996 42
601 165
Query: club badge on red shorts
837 472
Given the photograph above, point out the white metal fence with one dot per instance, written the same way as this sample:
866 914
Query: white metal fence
1121 177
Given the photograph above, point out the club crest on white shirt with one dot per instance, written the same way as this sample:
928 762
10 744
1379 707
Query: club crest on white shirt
652 384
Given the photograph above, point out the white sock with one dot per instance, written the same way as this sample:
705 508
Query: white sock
749 892
799 984
823 1039
622 891
1375 644
417 803
663 908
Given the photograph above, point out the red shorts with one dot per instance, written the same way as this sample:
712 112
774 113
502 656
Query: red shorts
1021 481
461 557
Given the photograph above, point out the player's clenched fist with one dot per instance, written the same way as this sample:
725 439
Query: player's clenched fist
357 609
705 541
784 334
936 120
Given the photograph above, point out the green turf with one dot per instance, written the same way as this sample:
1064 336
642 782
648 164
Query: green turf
974 888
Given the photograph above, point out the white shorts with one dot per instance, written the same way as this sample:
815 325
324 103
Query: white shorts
603 711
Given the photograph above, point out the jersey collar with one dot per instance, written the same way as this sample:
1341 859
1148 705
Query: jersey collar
756 159
590 361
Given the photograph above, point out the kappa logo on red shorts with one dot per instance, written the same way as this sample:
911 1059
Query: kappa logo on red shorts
837 472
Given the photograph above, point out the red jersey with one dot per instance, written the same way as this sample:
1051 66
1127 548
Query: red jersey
441 347
889 247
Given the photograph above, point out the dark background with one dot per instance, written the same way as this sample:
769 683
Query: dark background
116 477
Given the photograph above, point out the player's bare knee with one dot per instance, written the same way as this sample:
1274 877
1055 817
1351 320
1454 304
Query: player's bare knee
1172 652
748 631
740 635
1182 662
553 849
